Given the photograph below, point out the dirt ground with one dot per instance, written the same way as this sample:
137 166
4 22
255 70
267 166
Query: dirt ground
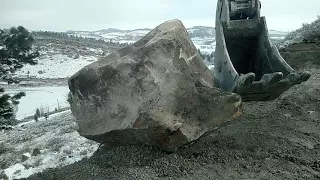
278 139
298 54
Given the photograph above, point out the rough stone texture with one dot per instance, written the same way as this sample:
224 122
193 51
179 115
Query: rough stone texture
25 156
36 152
157 92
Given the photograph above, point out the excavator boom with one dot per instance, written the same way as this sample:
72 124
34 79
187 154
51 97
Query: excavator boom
246 62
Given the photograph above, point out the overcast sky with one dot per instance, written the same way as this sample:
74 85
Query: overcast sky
63 15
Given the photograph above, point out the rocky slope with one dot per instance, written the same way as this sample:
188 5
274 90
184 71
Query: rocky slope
56 141
298 54
278 139
272 140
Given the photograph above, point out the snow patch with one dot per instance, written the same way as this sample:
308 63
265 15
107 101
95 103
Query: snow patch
59 146
46 98
55 66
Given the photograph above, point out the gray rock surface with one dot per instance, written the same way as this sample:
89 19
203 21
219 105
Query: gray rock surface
25 156
36 152
157 91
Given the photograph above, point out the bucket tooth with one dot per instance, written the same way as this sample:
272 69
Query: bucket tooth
246 80
272 78
297 78
305 76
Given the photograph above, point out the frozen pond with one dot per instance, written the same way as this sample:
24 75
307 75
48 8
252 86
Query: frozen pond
46 98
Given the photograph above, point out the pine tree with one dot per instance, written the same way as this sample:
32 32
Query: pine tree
36 117
15 51
38 112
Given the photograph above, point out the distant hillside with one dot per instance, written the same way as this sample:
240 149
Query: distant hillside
64 53
112 34
73 45
43 38
308 32
202 36
301 48
201 31
130 36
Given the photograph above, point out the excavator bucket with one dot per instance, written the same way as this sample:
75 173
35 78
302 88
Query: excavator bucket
246 62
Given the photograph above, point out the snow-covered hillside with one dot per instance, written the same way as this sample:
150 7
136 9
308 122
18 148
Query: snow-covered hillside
48 143
200 32
55 66
202 36
274 34
62 57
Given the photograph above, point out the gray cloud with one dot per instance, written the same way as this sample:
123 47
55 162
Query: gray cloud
62 15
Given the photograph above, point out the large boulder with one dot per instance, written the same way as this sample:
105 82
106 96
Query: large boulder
157 91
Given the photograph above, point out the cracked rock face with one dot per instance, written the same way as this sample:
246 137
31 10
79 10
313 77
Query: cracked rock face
157 91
